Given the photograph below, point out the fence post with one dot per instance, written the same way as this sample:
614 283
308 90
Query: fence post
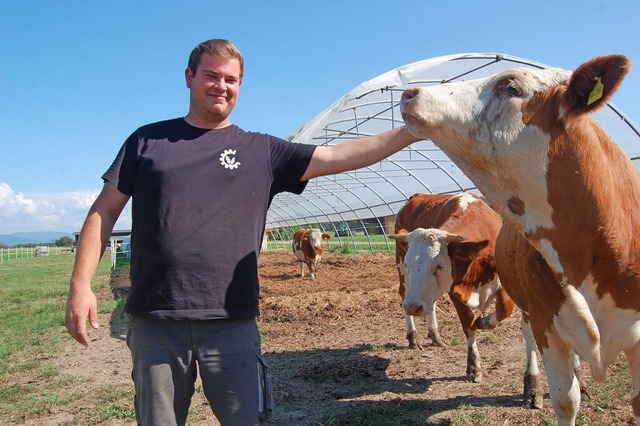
113 254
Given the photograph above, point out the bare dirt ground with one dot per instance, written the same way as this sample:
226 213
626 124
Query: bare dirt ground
336 347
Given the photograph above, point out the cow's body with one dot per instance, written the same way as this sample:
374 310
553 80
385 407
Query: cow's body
525 139
307 246
445 244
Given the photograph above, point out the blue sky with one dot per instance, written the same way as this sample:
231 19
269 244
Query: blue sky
77 77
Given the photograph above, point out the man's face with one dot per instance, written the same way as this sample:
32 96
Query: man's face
214 89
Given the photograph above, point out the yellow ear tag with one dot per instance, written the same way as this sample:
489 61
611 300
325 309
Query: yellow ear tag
596 93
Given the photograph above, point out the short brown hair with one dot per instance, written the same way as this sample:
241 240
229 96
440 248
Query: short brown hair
219 48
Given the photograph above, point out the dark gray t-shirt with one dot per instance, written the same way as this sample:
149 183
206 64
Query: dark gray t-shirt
200 199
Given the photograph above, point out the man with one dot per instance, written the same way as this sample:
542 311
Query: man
200 188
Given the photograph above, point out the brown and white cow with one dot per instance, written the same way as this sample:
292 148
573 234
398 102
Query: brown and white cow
446 244
307 246
526 139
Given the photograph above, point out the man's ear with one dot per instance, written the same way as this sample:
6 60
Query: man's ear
188 77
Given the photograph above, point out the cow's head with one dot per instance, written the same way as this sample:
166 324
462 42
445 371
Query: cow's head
428 265
315 237
503 131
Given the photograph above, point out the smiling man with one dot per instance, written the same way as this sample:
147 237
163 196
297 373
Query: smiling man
200 188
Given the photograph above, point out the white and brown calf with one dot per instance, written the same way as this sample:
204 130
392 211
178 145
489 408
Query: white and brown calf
445 244
526 139
307 246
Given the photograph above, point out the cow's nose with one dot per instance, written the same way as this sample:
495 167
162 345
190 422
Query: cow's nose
413 309
409 94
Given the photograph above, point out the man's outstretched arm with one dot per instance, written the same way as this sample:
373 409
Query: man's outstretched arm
357 153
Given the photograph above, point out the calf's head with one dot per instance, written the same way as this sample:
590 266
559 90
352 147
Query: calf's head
315 237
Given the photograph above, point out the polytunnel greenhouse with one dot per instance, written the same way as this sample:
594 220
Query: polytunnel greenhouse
364 202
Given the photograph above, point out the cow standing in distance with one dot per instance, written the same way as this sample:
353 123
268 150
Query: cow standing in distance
446 244
526 139
307 247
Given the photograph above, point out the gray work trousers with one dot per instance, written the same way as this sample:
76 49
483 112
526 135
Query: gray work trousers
166 355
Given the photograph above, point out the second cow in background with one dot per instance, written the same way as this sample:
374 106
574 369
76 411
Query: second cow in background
446 244
307 246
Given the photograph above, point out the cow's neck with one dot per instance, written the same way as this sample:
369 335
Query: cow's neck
593 191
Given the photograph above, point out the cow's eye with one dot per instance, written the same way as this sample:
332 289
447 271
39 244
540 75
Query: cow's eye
513 89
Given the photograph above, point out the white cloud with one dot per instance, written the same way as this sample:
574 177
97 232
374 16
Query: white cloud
64 212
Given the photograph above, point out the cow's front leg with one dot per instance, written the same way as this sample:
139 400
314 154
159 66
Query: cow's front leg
410 328
564 389
432 328
312 269
633 358
467 317
474 368
584 389
532 394
316 263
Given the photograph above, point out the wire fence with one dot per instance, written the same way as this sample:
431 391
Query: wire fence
118 251
344 244
8 254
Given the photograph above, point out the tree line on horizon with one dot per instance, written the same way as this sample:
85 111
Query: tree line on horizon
60 242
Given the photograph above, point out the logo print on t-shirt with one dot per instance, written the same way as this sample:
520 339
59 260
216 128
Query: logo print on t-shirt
228 161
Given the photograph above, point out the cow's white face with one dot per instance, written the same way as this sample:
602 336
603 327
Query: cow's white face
485 127
426 269
315 239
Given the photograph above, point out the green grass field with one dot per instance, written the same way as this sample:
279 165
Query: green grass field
33 294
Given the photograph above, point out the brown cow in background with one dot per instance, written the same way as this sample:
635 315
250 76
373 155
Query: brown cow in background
307 246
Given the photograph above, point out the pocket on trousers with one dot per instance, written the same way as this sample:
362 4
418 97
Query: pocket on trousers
265 391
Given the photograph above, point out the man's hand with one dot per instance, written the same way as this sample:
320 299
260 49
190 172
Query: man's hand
81 305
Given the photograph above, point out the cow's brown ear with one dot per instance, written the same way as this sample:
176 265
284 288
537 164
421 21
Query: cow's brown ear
466 249
402 237
593 83
449 237
326 236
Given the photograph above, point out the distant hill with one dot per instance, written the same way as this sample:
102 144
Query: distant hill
43 237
